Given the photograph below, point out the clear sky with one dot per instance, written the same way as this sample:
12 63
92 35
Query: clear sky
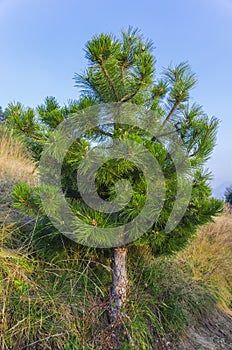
42 45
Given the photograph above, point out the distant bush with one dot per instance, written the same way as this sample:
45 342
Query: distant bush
228 195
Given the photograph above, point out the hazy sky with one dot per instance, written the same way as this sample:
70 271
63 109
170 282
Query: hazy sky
42 45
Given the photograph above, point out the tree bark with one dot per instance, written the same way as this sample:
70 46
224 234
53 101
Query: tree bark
119 283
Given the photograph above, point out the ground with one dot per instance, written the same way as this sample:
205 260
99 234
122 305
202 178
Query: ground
214 333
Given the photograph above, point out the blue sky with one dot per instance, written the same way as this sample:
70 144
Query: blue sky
42 45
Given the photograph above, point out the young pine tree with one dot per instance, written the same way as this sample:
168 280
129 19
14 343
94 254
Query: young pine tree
122 71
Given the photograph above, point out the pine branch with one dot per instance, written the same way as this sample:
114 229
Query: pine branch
170 113
106 133
23 130
109 79
169 133
130 96
167 118
200 147
36 137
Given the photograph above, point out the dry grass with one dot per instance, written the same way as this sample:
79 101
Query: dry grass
15 162
208 259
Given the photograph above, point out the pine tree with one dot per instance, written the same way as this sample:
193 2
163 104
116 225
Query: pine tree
122 71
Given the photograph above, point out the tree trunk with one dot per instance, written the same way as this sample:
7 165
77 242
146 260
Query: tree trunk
119 282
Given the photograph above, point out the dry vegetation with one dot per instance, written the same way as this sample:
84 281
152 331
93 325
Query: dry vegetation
15 162
208 259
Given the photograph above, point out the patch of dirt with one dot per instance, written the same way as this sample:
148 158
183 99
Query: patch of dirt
214 333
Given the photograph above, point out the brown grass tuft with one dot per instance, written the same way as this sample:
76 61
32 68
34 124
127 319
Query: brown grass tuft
15 161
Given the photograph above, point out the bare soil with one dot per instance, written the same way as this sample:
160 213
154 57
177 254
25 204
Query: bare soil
213 333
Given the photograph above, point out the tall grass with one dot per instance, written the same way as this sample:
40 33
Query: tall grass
15 161
48 306
209 259
63 304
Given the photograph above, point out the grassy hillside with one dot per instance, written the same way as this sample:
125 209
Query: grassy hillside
62 302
